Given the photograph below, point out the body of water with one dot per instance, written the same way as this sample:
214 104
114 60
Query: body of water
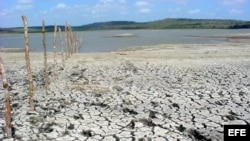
102 41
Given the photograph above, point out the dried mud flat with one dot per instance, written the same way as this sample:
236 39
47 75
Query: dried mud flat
165 92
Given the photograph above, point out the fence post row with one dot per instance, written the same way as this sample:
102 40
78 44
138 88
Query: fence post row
72 41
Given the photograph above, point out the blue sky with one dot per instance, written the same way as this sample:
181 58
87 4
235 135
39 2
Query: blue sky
80 12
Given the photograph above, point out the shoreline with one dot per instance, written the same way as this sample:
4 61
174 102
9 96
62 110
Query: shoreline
159 92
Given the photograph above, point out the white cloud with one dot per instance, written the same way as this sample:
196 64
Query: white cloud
233 2
106 1
25 1
174 10
195 11
236 11
142 4
24 7
123 1
103 9
144 10
5 12
61 6
181 1
144 7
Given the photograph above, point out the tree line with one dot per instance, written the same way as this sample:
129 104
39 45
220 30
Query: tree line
169 23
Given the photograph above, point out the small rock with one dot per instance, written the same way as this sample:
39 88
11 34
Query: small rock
88 133
32 113
131 125
117 88
71 126
181 128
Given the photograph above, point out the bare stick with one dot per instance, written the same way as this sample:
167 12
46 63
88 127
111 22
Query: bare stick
80 43
62 48
26 44
72 41
7 101
75 42
69 41
46 77
66 40
54 48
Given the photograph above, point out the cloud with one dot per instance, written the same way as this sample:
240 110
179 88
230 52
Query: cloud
181 1
61 6
25 1
5 12
144 7
195 11
233 2
174 10
16 9
106 1
144 10
101 10
24 7
236 11
123 1
142 4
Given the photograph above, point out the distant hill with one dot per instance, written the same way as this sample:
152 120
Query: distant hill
198 24
170 23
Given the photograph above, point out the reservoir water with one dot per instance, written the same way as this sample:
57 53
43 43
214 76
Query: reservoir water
102 41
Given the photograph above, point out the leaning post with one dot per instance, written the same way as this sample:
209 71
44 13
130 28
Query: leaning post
7 101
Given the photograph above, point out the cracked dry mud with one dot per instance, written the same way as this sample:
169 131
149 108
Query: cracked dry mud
127 101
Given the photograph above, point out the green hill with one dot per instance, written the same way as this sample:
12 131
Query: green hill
197 24
169 23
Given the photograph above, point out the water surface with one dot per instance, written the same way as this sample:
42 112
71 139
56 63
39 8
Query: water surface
102 41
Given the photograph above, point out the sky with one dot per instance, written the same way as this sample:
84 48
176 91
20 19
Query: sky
82 12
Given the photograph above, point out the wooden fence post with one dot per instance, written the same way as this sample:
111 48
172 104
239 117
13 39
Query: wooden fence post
69 41
80 43
72 41
46 77
62 50
7 101
26 44
66 41
54 48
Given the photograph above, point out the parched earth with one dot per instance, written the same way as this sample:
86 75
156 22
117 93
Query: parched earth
124 101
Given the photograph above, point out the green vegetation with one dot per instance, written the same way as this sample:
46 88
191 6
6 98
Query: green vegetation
169 23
